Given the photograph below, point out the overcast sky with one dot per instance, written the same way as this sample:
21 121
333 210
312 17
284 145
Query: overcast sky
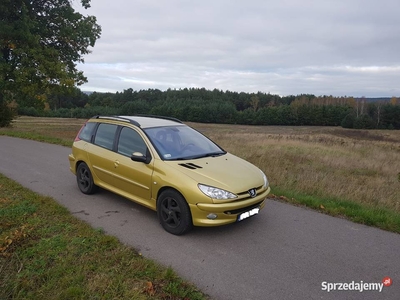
284 47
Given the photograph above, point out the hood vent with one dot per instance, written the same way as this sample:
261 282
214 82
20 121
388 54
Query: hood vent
191 166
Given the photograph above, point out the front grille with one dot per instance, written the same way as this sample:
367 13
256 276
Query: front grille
242 210
245 195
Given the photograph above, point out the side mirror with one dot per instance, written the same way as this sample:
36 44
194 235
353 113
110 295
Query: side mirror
140 157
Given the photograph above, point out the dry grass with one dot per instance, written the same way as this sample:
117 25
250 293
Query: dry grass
357 165
53 127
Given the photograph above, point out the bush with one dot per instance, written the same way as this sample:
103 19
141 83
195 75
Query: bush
6 114
28 111
364 122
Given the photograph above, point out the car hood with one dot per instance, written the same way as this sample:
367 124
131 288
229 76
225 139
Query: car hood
227 172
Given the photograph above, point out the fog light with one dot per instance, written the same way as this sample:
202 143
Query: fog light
212 216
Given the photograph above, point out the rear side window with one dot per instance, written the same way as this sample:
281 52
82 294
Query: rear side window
105 135
130 141
87 131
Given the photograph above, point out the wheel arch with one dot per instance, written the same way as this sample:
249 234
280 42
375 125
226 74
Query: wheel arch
165 188
78 163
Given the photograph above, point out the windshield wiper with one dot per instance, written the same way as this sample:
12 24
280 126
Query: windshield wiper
214 154
211 154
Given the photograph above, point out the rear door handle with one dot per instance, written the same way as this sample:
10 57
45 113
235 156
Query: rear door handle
116 164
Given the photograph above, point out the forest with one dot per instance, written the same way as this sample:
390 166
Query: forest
217 106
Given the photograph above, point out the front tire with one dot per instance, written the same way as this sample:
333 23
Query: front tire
84 179
174 213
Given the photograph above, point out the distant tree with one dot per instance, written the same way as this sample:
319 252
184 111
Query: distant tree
378 114
66 98
242 101
364 122
247 116
390 116
6 114
286 100
135 107
360 104
41 42
254 102
348 121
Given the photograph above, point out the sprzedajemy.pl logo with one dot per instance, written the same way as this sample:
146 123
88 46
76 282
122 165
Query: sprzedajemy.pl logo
356 286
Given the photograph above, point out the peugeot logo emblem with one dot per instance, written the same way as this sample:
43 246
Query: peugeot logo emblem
253 193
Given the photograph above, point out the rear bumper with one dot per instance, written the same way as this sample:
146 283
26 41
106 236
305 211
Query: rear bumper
72 163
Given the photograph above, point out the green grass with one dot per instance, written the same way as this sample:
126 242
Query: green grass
38 137
46 253
360 213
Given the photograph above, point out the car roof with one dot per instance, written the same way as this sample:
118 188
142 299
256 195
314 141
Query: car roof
145 121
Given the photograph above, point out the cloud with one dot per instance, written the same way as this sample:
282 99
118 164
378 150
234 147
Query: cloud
283 47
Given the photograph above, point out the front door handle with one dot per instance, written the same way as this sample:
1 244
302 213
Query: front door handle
116 164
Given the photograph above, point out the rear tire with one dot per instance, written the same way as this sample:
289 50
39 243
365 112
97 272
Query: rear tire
174 213
84 179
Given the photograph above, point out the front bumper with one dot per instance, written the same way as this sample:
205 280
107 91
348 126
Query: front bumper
225 213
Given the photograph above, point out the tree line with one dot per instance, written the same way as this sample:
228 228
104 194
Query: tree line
217 106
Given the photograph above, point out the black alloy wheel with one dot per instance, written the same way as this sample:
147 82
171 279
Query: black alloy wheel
85 179
174 213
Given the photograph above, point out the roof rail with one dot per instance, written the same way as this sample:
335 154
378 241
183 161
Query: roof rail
159 117
118 118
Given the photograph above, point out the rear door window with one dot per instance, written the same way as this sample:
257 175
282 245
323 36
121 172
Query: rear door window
105 135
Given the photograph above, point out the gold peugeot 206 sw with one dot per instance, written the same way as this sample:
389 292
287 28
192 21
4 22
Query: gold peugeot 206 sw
169 167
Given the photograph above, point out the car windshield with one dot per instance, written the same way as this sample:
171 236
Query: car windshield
181 142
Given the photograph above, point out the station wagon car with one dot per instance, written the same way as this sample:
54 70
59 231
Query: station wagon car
169 167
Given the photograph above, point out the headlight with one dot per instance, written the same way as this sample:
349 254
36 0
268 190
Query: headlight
266 183
216 193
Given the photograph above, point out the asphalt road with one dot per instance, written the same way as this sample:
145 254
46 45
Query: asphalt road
285 252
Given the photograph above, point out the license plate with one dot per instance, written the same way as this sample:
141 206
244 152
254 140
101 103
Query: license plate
248 214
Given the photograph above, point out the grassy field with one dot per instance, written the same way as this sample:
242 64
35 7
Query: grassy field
356 165
348 173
